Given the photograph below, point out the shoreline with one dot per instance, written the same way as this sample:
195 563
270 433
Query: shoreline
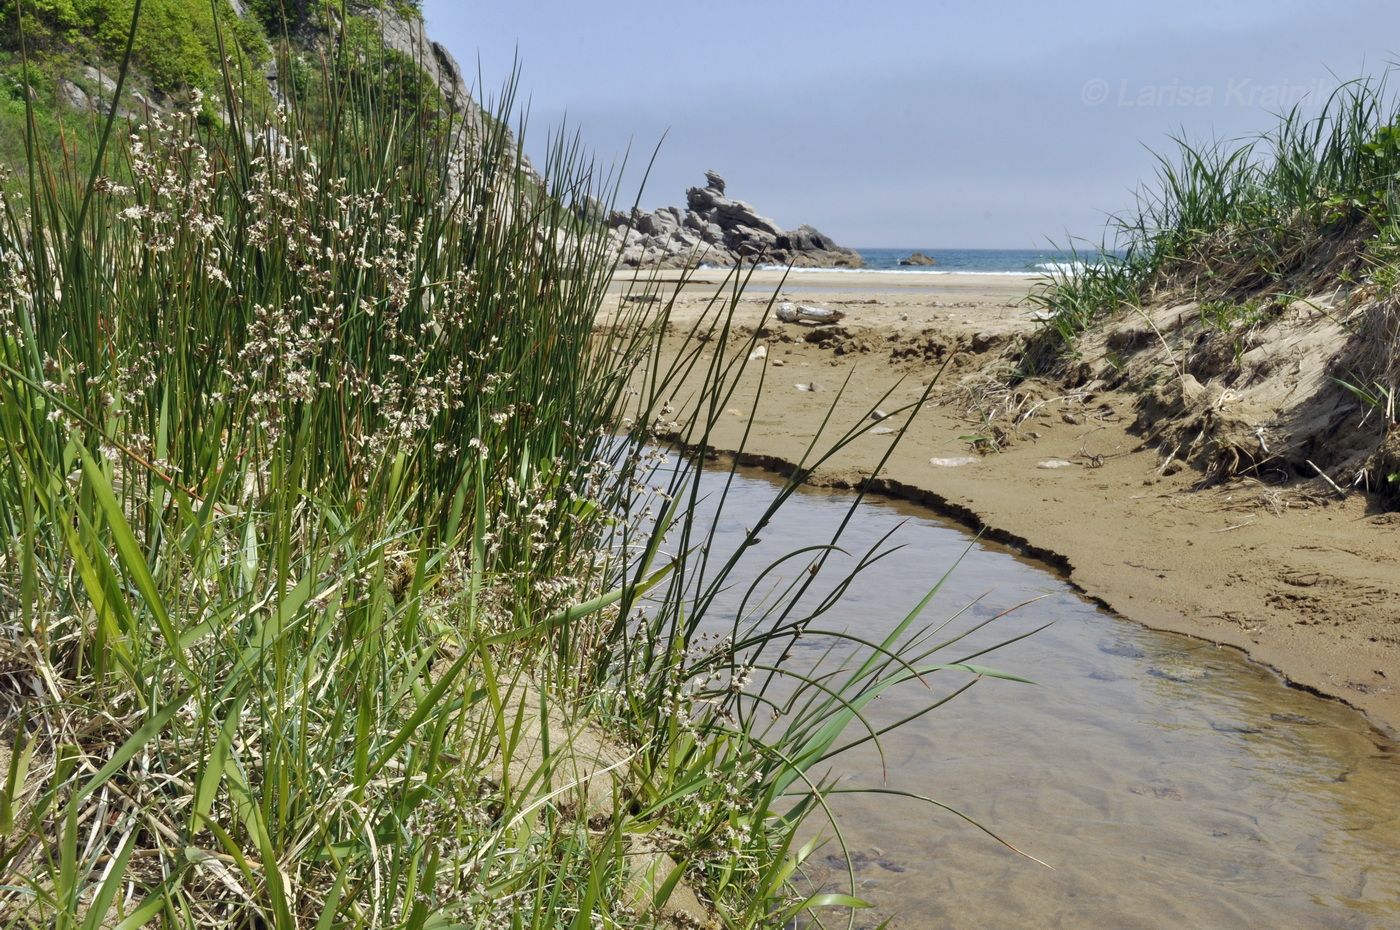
973 522
1303 586
929 272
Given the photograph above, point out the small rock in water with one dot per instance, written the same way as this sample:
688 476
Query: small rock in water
1296 719
954 461
1055 463
1183 674
857 860
1126 650
779 362
1226 726
760 353
1165 792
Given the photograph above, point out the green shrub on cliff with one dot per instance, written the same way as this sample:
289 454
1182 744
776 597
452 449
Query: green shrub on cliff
176 42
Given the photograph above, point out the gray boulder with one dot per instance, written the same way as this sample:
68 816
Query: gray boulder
76 97
807 239
727 230
735 214
104 83
703 199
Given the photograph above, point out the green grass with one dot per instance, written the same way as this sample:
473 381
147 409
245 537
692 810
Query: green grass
1227 218
319 549
177 44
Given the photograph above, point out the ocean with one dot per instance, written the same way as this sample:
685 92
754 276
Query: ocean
962 261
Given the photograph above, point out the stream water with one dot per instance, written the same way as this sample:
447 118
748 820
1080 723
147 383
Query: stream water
1166 783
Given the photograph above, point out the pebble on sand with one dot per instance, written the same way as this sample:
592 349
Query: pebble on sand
954 461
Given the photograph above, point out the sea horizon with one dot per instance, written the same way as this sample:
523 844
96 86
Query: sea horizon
952 260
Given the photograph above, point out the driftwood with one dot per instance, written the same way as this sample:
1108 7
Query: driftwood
812 316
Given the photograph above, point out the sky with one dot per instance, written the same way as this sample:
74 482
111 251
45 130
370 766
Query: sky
911 124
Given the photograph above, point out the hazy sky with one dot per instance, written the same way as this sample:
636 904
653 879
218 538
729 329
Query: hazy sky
929 123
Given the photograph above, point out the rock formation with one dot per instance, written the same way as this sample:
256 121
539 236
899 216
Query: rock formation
918 258
717 230
407 34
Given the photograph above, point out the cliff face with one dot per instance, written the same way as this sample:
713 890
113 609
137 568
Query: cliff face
407 35
718 230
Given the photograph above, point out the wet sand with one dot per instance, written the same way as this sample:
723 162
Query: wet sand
1307 585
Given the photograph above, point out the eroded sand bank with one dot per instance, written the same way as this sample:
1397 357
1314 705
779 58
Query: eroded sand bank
1306 584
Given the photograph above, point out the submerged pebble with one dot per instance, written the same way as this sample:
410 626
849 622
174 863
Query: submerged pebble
1185 674
860 859
1126 650
1295 719
1228 726
1164 792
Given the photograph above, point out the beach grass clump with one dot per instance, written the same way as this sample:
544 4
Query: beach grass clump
321 562
292 428
1225 219
1244 237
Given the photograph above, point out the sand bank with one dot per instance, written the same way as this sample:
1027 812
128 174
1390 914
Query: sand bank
1305 584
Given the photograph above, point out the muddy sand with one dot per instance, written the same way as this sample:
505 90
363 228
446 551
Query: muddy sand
1302 581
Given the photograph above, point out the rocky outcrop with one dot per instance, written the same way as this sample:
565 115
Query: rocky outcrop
918 258
405 33
715 229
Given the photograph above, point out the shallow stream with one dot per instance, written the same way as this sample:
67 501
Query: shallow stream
1168 783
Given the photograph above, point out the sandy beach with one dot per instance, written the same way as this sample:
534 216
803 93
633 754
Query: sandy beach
1302 582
